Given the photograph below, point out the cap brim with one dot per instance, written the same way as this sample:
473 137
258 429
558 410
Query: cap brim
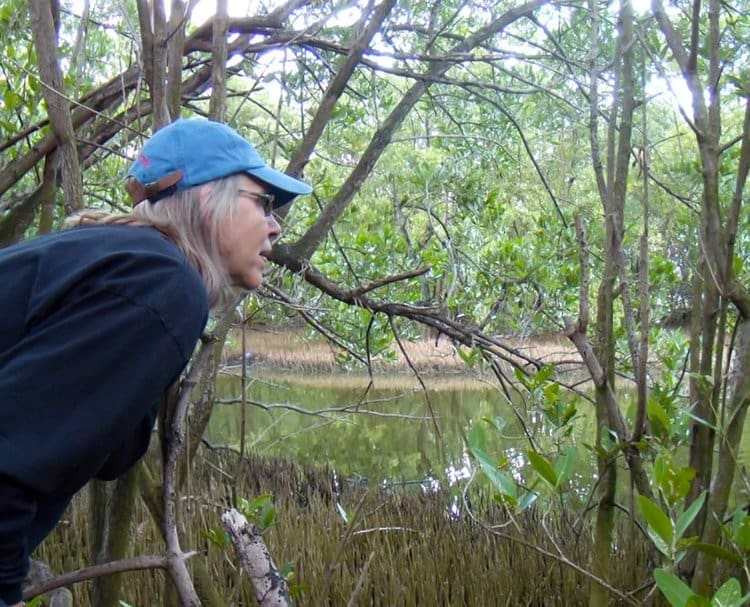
285 187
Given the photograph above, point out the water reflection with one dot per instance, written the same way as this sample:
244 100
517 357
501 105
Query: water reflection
384 435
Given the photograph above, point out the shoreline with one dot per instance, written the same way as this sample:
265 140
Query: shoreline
277 352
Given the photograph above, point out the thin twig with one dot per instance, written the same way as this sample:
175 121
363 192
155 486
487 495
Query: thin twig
318 412
360 581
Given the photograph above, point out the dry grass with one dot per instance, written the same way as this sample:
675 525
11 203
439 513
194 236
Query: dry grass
419 554
287 349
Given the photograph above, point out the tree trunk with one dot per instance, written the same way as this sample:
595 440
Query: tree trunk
112 506
58 107
601 556
729 446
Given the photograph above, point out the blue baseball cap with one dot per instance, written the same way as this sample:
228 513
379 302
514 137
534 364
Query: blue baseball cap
193 151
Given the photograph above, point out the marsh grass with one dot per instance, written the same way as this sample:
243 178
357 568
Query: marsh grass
351 544
422 548
289 349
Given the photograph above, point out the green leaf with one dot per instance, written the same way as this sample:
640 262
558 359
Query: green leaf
552 393
569 413
674 482
565 464
684 520
478 437
286 571
12 100
544 374
469 356
661 545
718 552
673 588
741 530
218 537
657 415
526 501
728 595
543 467
702 421
522 378
501 482
656 519
737 264
268 518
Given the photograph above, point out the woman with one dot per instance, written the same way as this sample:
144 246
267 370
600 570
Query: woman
97 322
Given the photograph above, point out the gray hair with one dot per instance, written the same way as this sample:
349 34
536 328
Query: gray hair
193 227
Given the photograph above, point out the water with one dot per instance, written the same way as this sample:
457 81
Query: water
394 436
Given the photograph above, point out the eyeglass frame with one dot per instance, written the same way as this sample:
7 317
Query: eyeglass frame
266 200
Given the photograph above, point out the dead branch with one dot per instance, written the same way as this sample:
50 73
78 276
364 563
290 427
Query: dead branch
89 573
270 587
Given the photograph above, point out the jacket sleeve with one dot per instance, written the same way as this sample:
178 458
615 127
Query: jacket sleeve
79 383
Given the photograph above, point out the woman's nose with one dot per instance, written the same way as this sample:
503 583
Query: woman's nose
274 229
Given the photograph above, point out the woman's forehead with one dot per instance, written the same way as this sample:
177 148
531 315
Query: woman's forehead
253 184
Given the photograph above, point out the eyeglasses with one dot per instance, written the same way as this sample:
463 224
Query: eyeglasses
265 200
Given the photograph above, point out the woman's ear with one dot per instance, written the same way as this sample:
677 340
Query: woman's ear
204 193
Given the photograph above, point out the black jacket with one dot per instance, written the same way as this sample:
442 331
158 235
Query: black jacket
95 323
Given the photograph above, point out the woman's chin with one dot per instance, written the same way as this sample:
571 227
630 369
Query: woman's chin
250 281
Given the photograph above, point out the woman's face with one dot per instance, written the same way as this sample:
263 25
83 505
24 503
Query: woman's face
245 239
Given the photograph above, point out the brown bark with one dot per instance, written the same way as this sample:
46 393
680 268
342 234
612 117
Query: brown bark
612 185
114 510
179 14
58 107
218 105
729 442
715 286
153 22
20 217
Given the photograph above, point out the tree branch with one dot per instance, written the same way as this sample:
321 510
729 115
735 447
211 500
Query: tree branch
307 245
337 86
89 573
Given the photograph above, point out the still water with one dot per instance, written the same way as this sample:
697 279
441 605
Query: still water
393 432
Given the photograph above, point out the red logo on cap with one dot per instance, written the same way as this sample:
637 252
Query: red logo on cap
143 160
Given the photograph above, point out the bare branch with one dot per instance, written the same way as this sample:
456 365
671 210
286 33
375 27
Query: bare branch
376 284
307 245
89 573
337 86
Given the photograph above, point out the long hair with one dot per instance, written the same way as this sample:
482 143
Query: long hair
194 228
